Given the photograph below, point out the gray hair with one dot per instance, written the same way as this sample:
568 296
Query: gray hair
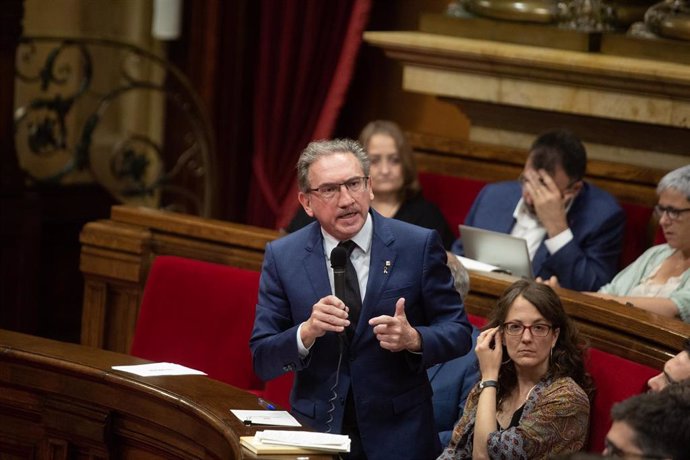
461 277
318 149
678 179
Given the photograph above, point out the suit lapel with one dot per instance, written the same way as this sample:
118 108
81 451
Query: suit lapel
381 266
315 264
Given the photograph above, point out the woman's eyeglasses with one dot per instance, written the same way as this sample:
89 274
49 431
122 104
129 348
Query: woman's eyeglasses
537 330
672 213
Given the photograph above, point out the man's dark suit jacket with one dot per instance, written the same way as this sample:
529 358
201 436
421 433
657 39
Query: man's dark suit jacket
452 382
597 222
392 394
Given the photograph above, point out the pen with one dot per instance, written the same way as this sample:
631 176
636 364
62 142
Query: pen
266 404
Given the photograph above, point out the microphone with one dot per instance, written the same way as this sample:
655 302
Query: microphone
339 258
338 262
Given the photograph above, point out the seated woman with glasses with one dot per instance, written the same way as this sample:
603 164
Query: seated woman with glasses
532 401
397 192
659 280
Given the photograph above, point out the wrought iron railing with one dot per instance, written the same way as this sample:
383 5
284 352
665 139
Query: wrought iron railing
100 110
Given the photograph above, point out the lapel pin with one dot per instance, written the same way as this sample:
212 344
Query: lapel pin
386 267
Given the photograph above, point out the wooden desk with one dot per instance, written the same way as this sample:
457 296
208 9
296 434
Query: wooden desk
60 400
629 332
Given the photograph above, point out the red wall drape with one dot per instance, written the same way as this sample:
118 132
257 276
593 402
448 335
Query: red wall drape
307 53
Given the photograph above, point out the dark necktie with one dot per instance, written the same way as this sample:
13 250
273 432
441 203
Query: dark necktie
353 298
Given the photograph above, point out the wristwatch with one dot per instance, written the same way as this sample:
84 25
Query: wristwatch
488 383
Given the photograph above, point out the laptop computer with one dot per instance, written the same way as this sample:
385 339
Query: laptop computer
506 252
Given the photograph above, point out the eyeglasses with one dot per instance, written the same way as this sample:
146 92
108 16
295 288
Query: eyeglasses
612 450
328 191
537 330
672 213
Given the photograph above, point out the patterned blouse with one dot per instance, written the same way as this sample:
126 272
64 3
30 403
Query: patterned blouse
554 420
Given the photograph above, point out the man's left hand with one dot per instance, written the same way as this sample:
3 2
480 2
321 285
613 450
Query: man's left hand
395 333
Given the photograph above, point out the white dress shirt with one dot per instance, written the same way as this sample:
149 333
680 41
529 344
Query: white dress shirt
360 257
527 226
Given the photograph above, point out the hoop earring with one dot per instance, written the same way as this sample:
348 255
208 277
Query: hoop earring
551 356
506 361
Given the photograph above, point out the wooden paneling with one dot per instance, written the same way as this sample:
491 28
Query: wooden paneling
491 163
116 255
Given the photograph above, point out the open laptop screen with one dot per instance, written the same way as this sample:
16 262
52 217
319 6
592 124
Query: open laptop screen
502 250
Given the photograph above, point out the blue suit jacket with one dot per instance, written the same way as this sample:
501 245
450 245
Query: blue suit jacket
392 394
451 382
587 262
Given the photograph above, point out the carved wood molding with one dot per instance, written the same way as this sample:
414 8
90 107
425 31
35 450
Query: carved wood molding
562 67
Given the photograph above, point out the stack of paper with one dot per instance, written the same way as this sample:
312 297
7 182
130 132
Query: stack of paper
289 442
476 265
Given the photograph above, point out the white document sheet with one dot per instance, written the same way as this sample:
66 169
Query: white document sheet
156 369
265 417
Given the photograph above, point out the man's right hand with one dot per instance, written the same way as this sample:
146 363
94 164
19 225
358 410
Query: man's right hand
328 314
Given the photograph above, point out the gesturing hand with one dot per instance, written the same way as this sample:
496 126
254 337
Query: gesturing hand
328 314
394 333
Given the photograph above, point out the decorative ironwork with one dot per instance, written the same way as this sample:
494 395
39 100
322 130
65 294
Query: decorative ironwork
96 110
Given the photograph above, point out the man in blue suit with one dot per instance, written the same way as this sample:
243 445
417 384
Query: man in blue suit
574 230
453 380
367 377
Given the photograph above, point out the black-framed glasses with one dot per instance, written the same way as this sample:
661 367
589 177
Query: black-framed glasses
537 330
353 185
671 212
612 450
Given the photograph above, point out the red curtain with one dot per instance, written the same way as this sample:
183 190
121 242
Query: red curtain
307 53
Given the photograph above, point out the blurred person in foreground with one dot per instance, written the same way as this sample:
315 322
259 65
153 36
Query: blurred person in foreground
676 370
532 400
397 193
652 425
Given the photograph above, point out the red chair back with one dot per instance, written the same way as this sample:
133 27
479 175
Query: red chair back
453 195
637 236
615 379
200 315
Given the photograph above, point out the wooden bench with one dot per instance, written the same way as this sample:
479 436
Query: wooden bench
452 172
117 254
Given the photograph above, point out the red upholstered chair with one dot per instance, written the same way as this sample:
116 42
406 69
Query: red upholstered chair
477 321
659 237
615 379
200 315
453 195
637 237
